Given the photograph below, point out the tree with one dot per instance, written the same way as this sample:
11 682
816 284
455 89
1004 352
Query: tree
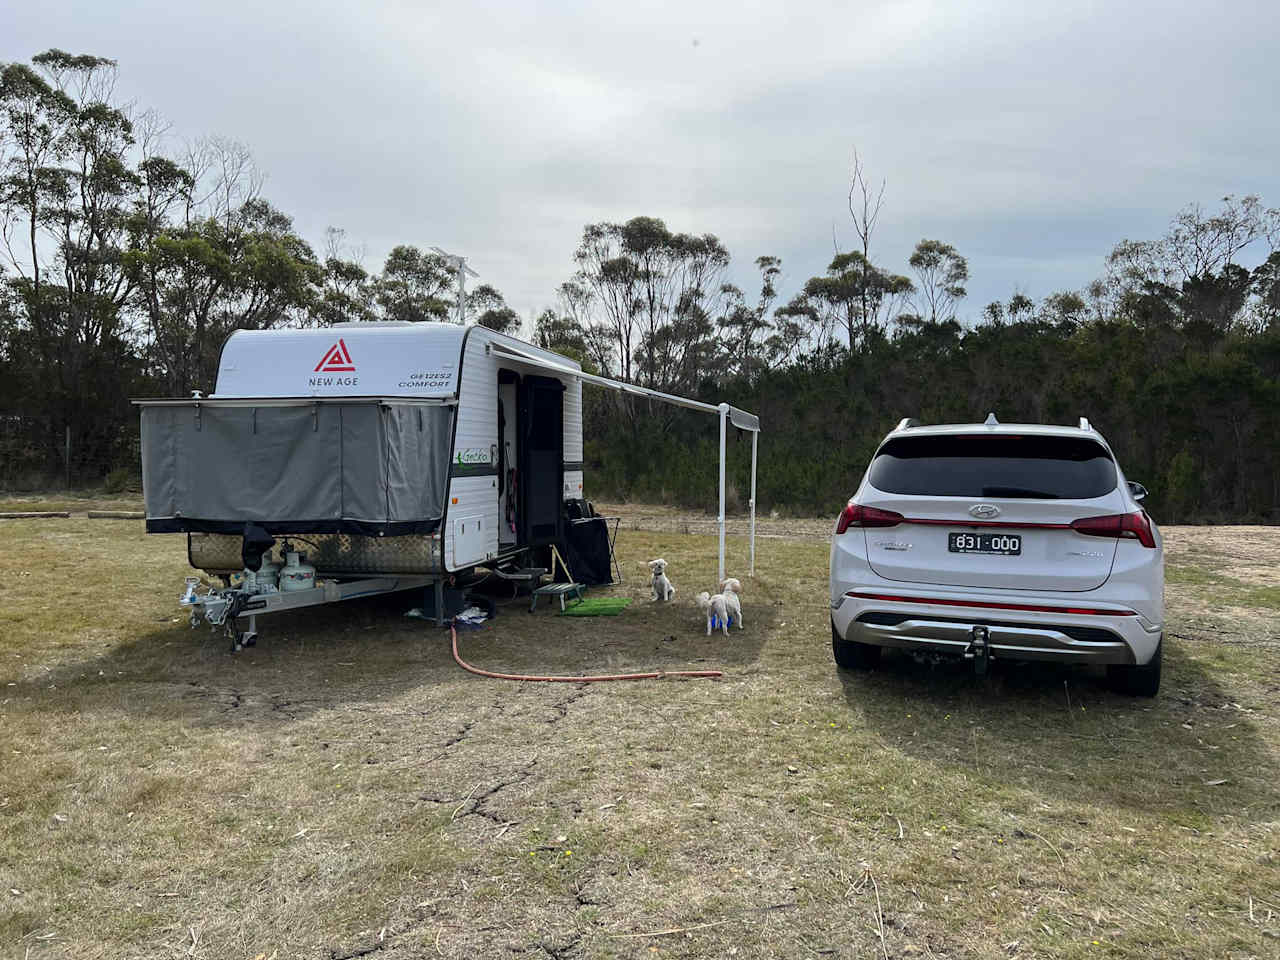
1266 286
197 282
865 213
941 273
414 286
66 188
745 328
1196 244
1021 307
36 119
486 307
656 291
858 296
346 294
1066 308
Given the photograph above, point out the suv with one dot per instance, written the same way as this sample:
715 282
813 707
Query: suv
1012 541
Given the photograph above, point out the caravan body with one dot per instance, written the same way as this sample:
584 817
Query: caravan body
411 448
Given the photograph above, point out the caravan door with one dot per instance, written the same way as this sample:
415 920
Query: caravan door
541 459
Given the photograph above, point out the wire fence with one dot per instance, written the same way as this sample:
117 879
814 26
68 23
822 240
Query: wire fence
36 455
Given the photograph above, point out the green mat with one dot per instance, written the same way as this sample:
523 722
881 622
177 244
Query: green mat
597 607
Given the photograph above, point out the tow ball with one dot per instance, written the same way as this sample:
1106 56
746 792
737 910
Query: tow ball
979 649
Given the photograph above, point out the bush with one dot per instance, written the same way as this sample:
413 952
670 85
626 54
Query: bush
120 479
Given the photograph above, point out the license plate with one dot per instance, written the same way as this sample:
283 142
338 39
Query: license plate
1001 544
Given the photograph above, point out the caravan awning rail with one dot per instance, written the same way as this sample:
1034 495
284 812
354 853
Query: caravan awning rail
295 401
726 412
739 418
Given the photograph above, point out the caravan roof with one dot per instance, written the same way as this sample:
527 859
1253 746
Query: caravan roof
413 360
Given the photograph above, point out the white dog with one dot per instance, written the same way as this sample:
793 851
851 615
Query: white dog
716 610
663 589
731 590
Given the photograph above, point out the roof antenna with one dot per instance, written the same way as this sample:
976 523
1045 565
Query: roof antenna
459 264
991 421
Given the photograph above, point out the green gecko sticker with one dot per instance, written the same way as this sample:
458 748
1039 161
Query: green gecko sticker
474 456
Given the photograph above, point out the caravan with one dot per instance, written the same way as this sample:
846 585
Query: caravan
398 454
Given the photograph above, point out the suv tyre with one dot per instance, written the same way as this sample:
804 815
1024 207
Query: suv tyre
851 655
1142 680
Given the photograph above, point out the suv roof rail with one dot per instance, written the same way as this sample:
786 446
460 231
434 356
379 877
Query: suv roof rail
991 420
906 422
1084 424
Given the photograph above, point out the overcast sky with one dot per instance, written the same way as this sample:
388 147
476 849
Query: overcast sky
1032 136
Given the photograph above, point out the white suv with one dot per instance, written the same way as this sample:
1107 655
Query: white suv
998 540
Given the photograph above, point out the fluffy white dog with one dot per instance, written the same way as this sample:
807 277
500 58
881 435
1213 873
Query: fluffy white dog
663 589
716 609
731 590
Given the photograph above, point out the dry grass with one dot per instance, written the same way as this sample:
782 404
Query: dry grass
345 788
74 501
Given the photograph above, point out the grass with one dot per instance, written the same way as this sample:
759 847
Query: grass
76 501
344 787
1224 589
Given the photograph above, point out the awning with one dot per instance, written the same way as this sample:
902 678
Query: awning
726 412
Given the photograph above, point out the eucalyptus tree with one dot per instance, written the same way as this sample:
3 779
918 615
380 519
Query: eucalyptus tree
655 290
941 273
415 285
66 186
745 327
857 296
346 294
488 308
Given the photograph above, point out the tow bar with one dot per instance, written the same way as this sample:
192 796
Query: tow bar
979 649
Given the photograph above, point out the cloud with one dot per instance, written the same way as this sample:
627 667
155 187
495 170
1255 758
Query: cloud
1032 137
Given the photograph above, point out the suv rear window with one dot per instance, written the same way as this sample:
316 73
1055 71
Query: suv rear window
996 466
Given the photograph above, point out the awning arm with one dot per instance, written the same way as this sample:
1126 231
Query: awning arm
725 412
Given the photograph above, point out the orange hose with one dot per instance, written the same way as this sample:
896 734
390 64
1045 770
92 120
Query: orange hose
598 678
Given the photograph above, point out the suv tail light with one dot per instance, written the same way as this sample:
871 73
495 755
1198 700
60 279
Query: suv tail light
1130 526
856 515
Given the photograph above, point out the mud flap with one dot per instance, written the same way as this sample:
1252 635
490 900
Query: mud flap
979 649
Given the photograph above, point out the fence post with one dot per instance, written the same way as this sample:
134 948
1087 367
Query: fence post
68 456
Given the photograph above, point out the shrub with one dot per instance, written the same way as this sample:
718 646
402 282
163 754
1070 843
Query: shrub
120 479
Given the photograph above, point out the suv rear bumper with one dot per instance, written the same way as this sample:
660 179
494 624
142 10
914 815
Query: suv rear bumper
1013 641
1012 636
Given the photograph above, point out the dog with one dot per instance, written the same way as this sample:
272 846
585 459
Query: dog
731 590
716 609
663 589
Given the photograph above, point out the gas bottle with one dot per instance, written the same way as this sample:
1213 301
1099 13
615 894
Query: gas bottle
297 573
268 576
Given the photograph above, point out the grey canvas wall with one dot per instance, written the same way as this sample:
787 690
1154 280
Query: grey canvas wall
369 468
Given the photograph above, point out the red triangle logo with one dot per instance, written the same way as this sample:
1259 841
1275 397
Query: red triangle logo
336 360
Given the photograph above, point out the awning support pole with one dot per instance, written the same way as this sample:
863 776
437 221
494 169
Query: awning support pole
755 435
724 419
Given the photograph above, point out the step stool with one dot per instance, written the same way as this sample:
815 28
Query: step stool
560 590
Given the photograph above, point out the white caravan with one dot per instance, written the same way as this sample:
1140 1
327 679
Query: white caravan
401 453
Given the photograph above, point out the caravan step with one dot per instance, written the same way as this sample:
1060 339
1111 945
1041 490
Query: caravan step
523 573
560 590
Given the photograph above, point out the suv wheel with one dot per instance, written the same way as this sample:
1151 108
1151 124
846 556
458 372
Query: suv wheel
851 655
1138 681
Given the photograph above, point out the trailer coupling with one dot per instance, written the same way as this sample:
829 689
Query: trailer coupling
236 608
979 649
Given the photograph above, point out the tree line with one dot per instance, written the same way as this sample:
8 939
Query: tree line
126 263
